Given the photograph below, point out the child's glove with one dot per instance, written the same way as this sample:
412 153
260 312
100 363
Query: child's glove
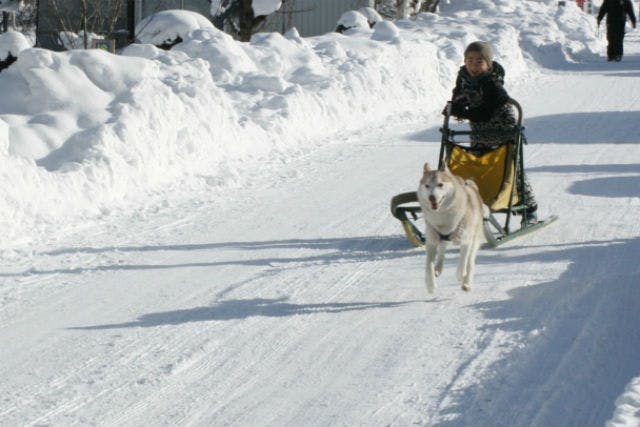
460 106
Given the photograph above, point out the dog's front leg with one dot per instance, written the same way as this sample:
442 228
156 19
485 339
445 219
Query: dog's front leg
430 276
442 247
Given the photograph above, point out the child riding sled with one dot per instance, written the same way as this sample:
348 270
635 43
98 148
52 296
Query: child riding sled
479 96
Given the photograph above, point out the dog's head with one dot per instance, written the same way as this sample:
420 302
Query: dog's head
436 187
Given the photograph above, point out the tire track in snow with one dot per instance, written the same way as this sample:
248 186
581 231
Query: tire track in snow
275 341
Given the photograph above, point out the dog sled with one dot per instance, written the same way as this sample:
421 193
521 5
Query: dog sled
497 172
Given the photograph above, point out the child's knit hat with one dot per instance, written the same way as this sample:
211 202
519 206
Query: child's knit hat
483 49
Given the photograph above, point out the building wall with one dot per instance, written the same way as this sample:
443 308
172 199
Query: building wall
312 17
309 17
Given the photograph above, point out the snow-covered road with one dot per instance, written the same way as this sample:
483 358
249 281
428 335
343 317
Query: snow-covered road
296 301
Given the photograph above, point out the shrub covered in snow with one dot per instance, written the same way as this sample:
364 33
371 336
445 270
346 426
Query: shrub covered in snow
165 29
11 44
352 20
386 31
372 16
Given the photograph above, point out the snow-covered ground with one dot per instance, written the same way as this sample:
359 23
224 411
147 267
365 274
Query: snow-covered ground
202 236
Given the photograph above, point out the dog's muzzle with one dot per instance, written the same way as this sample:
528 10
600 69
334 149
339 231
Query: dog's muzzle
433 202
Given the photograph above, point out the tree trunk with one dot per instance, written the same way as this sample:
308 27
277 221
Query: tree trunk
430 6
83 12
402 9
245 21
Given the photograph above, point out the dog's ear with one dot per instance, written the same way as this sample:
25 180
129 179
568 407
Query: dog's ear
426 168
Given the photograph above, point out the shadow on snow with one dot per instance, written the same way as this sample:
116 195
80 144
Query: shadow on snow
580 338
601 127
610 186
582 128
335 250
242 309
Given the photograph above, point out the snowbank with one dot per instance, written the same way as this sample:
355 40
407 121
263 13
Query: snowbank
86 133
548 34
627 413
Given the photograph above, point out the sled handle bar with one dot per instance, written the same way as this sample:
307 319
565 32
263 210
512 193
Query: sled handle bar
511 101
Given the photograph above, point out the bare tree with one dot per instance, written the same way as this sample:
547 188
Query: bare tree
403 9
406 8
86 16
236 17
25 19
8 9
430 6
386 8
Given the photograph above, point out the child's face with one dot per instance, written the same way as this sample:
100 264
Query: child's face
475 63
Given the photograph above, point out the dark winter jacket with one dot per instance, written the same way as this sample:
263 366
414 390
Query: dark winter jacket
617 12
478 98
483 101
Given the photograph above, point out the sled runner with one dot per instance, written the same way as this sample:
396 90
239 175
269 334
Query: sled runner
497 172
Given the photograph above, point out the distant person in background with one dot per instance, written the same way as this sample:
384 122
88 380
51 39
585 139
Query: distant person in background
616 11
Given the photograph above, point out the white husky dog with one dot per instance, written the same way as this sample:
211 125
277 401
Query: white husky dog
453 211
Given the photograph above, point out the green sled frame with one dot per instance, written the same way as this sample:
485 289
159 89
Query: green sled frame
407 210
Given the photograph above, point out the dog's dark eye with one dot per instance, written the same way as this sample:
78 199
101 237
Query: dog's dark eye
426 185
440 185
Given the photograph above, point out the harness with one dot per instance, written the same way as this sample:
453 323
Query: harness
447 237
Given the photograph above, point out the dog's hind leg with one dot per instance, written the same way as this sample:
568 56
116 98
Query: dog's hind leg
462 273
471 267
430 273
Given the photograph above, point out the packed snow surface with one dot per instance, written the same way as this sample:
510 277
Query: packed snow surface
201 236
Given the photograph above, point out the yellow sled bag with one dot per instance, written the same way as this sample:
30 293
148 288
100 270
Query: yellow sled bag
493 172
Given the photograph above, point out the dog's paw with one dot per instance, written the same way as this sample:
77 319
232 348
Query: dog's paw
438 270
431 287
461 276
466 287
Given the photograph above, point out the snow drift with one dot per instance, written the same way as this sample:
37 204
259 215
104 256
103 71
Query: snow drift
87 133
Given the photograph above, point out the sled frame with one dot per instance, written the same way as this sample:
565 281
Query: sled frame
406 209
